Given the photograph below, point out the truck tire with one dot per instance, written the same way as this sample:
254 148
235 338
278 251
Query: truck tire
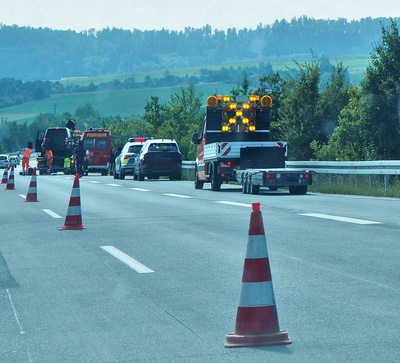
298 189
215 179
140 176
198 184
253 189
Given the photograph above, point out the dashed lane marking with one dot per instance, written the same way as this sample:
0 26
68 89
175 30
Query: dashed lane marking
339 218
126 259
232 203
141 189
51 213
115 185
177 195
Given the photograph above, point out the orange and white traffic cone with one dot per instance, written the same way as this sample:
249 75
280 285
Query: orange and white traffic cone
257 318
32 190
5 176
73 220
10 183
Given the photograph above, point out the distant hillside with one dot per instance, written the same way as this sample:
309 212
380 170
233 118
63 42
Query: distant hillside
31 54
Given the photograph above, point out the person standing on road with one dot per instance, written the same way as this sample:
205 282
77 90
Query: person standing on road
25 160
80 154
49 160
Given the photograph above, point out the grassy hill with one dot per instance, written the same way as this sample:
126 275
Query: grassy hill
131 102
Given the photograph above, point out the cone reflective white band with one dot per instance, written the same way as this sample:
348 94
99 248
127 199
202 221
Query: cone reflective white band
256 294
256 247
74 210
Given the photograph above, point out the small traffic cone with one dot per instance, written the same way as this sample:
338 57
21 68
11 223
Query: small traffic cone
10 183
5 176
32 191
73 220
257 319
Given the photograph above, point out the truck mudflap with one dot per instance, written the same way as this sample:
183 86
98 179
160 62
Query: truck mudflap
296 180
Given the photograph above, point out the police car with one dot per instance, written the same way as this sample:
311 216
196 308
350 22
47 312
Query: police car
124 162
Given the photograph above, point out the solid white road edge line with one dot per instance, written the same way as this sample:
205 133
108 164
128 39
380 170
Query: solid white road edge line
338 218
51 213
128 260
233 203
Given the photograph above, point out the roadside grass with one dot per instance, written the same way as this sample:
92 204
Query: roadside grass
366 185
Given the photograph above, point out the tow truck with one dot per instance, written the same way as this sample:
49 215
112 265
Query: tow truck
234 145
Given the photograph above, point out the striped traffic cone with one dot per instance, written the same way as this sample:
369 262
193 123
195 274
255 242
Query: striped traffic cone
32 191
73 220
257 319
10 183
5 176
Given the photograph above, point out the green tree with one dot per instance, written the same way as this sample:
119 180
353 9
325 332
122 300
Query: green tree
300 111
381 89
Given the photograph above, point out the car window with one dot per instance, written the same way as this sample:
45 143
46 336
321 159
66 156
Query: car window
134 149
102 144
56 136
163 147
88 143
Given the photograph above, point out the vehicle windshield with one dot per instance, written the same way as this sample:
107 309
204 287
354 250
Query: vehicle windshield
163 147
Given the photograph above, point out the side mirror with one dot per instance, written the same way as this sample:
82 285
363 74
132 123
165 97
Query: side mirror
195 138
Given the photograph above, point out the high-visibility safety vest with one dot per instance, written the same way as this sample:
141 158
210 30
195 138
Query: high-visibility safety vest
67 162
27 153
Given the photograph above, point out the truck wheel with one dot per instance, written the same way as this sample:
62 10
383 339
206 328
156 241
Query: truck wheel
198 184
254 189
215 180
298 189
116 176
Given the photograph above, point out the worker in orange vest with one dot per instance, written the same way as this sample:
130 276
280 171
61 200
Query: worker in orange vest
25 160
49 159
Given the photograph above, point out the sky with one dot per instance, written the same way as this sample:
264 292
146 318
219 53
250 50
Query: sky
82 15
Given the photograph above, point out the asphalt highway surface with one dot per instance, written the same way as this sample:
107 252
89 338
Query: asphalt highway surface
155 273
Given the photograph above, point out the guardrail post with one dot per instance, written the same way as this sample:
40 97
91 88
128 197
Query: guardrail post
343 180
356 180
330 179
370 182
386 181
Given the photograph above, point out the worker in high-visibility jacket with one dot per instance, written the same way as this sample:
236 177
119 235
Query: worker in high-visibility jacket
49 160
25 160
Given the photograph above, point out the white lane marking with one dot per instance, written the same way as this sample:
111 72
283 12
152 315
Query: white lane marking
21 331
51 213
232 203
94 181
23 196
341 219
177 195
126 259
115 185
141 189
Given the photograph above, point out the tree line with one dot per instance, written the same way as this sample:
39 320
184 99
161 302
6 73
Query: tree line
41 53
322 117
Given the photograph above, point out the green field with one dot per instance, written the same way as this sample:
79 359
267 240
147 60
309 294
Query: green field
126 103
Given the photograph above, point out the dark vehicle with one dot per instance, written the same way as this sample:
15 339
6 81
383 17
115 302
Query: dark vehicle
60 140
157 158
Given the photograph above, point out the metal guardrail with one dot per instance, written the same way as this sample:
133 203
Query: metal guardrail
384 168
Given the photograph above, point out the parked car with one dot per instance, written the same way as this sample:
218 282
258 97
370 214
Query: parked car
124 162
14 161
159 157
4 161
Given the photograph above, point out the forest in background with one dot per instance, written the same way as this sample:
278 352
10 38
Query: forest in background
31 54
